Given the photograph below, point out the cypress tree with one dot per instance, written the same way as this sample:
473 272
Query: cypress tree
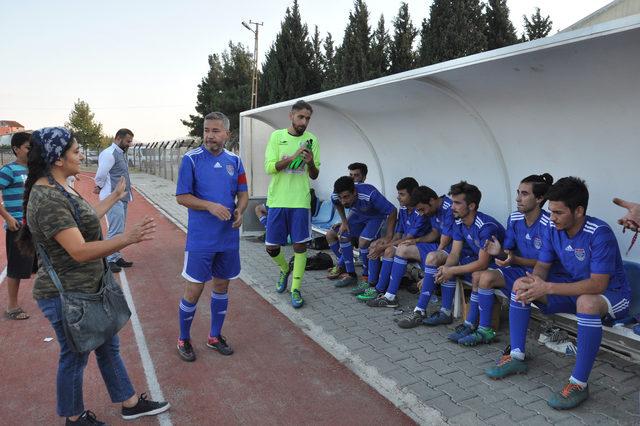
353 56
329 67
401 52
379 57
500 31
537 27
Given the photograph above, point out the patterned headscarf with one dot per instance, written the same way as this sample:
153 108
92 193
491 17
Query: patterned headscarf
52 140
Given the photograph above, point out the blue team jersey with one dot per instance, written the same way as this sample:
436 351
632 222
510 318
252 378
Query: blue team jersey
475 236
370 203
217 179
443 220
412 223
593 250
12 179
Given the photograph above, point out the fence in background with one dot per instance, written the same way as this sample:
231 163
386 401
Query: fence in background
160 158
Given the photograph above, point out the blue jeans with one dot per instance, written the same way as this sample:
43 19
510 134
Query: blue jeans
116 216
71 366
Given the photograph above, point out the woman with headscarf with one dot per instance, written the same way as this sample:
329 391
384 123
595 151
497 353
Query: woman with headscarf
76 250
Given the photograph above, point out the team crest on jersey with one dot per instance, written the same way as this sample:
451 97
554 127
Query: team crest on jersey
537 243
230 169
580 254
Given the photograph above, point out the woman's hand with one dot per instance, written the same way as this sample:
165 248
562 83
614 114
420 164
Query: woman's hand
141 231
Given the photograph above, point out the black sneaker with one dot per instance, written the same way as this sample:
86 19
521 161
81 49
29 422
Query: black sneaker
144 407
123 263
219 344
87 418
114 267
412 320
382 302
185 350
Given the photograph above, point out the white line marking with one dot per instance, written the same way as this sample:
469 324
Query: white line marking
147 363
3 275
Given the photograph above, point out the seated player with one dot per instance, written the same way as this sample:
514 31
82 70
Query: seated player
470 232
522 243
433 210
368 211
409 224
596 287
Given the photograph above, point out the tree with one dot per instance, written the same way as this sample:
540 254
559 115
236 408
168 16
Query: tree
379 53
329 67
401 51
455 28
352 57
537 27
500 31
317 60
86 130
288 71
226 88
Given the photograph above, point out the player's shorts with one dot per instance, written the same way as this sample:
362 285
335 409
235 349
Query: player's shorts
19 265
200 267
510 275
363 227
426 248
284 221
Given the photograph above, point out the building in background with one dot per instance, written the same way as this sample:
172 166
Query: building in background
615 10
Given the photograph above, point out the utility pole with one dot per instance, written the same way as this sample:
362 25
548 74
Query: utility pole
254 79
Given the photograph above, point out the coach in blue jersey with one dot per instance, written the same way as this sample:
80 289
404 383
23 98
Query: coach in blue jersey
596 287
212 184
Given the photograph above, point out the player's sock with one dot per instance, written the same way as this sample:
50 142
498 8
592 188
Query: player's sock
374 270
397 272
472 316
428 285
299 263
589 338
385 274
335 248
448 291
347 257
364 253
219 303
186 312
485 301
281 261
519 316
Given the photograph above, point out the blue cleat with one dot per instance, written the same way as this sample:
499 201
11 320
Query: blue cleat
506 366
461 331
569 397
281 285
478 337
438 318
296 299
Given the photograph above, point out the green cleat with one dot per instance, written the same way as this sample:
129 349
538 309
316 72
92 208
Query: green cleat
370 293
506 366
361 288
477 337
569 397
281 285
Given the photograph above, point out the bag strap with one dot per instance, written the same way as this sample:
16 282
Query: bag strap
46 262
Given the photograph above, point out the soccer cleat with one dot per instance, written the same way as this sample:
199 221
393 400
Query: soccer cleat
185 350
479 336
382 302
86 418
281 285
219 344
566 348
413 320
346 280
506 366
460 331
335 272
368 294
569 397
296 299
552 334
362 287
438 318
144 407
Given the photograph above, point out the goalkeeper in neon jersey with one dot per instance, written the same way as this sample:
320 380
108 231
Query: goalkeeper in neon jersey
291 158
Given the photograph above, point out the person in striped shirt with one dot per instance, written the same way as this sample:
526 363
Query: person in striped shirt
12 178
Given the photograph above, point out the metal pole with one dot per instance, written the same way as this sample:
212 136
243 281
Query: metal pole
254 78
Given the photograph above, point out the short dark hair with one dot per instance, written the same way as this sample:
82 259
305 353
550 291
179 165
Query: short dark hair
471 192
122 133
344 183
19 139
572 191
540 185
408 184
301 104
422 195
359 166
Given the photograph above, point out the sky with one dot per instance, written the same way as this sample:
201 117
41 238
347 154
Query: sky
138 63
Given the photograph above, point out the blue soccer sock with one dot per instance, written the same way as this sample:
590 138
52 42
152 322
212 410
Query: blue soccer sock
485 302
374 270
186 312
219 302
397 272
474 311
385 274
347 257
589 338
428 286
263 221
448 292
519 315
335 248
364 253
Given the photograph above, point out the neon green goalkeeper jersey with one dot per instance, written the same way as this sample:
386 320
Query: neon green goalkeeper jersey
289 187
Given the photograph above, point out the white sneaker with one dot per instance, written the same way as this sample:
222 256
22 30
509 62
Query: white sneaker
566 348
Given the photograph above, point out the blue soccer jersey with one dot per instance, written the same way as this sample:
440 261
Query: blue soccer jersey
476 235
217 179
412 223
443 220
12 179
369 204
593 250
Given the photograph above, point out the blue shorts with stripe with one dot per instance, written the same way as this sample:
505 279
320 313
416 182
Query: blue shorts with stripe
426 248
283 222
200 267
363 227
